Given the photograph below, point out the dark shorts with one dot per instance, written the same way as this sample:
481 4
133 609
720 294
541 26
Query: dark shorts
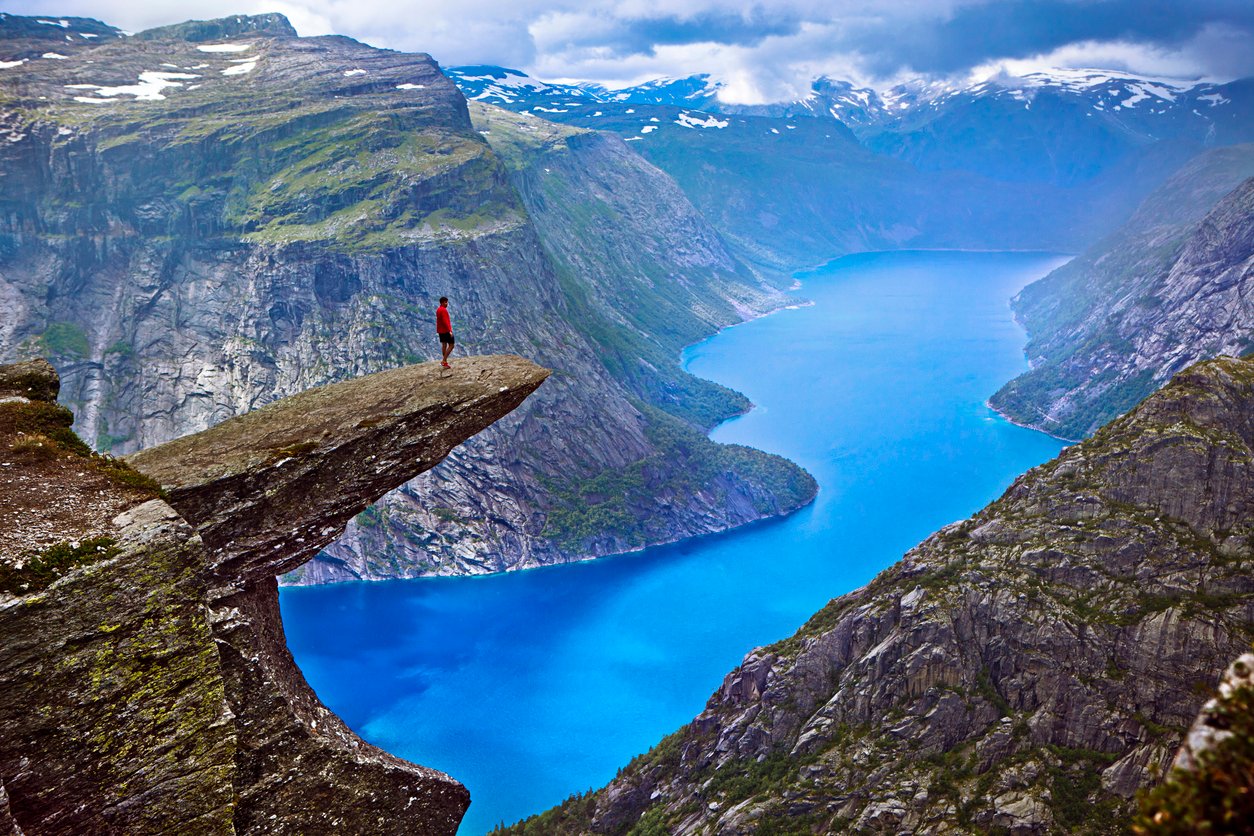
446 338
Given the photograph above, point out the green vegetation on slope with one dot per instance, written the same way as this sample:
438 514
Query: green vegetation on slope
622 504
40 431
293 166
40 571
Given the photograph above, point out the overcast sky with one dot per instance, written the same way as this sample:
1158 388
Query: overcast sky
764 50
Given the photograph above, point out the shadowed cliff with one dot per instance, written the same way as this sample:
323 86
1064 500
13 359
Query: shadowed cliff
145 683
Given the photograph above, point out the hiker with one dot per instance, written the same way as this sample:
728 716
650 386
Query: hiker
444 327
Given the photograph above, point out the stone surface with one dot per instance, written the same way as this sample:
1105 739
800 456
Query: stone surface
145 683
1029 668
269 489
1211 729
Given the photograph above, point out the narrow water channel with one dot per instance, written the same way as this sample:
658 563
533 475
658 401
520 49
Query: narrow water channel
533 685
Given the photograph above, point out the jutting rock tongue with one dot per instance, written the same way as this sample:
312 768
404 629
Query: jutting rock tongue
145 684
269 489
266 491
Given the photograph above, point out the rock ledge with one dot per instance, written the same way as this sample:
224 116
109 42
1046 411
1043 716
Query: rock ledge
145 682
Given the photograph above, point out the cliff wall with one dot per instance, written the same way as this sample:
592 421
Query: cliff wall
203 218
1169 288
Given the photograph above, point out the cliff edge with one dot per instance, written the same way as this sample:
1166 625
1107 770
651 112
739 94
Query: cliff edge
145 683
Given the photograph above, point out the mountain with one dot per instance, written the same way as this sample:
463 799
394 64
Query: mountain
1167 289
1025 670
1064 127
145 684
644 275
1048 161
205 217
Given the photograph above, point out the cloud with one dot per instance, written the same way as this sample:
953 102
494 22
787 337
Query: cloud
631 36
764 49
978 32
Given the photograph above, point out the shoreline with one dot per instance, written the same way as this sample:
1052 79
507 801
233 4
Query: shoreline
1025 425
752 316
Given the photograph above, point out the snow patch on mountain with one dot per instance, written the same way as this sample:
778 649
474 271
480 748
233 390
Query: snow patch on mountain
687 120
149 89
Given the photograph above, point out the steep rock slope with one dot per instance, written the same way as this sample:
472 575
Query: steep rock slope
209 216
1168 289
1028 669
643 275
145 683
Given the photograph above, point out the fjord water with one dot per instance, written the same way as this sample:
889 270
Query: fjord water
533 685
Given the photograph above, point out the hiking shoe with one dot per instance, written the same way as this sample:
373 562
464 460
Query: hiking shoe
445 364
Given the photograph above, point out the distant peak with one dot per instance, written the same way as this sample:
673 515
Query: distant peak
54 28
196 31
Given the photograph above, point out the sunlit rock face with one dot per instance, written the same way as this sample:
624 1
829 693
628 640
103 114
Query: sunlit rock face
1173 286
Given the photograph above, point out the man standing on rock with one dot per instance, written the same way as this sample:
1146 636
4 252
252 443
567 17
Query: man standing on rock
444 327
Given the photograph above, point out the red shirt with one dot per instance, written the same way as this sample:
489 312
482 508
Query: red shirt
442 323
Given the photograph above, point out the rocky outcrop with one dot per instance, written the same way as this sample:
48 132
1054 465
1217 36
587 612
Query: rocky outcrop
145 683
1172 287
203 218
1028 669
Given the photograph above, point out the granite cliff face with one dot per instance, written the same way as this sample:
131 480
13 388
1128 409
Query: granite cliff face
145 683
1027 669
617 231
1171 287
202 218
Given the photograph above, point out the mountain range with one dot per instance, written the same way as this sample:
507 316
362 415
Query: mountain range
1050 161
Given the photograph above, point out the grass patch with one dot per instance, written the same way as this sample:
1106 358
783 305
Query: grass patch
631 503
45 568
40 432
64 340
